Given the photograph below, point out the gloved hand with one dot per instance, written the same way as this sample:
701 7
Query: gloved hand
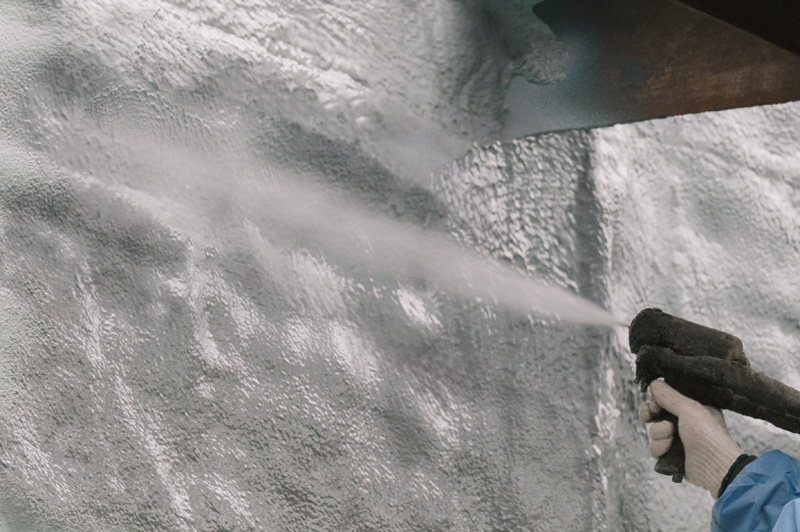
710 450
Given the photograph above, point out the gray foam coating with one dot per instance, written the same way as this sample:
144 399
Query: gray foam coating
171 359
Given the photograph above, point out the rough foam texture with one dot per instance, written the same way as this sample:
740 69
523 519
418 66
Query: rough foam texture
411 83
539 56
703 222
169 360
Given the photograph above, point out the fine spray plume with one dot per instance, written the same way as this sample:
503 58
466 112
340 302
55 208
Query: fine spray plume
388 246
353 234
279 202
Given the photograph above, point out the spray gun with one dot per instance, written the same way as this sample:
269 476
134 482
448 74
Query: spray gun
710 367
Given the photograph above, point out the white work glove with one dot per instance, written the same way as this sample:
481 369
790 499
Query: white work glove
710 451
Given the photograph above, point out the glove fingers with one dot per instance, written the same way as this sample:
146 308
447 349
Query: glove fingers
670 399
649 410
662 430
661 435
659 448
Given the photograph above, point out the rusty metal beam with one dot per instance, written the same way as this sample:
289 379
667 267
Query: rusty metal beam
776 21
634 60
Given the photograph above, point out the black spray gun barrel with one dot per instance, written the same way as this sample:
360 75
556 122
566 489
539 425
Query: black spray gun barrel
710 367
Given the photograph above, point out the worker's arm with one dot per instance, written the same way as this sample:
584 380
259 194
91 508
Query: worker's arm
763 496
789 520
755 494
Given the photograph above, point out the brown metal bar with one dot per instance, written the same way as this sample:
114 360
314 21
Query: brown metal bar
776 21
635 60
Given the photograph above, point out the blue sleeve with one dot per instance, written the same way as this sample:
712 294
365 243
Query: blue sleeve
789 520
762 497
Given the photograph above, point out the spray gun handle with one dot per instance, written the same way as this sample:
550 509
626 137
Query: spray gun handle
673 462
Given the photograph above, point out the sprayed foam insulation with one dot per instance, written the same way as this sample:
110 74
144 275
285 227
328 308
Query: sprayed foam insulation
171 361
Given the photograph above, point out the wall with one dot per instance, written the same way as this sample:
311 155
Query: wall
176 355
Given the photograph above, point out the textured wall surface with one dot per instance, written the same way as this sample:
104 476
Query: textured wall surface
178 353
702 220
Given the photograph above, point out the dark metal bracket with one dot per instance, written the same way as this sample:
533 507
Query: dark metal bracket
633 60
